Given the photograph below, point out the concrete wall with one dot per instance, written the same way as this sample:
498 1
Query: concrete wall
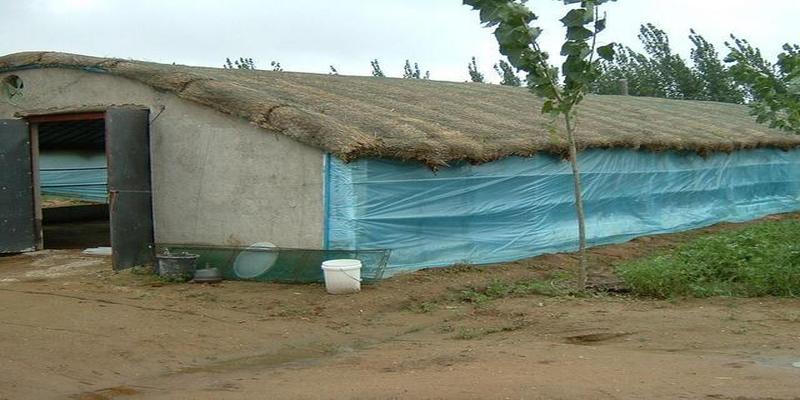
217 179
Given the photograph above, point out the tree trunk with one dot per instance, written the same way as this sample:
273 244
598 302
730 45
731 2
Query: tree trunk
576 179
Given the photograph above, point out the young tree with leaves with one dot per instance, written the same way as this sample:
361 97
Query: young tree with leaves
774 90
474 74
376 69
635 68
414 73
508 76
717 83
241 63
333 71
519 42
673 74
276 66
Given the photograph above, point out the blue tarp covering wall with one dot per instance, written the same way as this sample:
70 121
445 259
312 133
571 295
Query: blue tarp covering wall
77 175
521 207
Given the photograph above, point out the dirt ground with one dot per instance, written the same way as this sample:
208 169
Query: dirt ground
70 328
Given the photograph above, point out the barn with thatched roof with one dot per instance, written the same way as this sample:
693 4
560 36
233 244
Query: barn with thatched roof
438 172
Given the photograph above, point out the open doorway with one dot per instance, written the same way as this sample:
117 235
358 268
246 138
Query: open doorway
71 180
119 139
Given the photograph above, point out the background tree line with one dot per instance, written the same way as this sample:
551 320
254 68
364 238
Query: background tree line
771 90
744 76
505 71
660 72
657 72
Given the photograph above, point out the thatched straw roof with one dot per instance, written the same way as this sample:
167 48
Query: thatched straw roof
432 122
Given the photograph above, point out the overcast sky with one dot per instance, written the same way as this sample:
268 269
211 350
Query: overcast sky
310 35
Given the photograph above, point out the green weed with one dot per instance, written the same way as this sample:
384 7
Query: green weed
142 270
497 289
287 310
760 260
469 333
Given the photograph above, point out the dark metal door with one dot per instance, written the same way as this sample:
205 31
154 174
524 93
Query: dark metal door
130 203
17 232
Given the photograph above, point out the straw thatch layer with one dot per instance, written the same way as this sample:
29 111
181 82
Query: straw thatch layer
432 122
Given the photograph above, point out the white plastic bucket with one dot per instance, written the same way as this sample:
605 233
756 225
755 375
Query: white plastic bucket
342 276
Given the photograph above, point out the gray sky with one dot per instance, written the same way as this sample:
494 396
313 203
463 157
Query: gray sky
310 35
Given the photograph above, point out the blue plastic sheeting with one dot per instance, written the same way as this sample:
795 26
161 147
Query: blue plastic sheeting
521 207
74 174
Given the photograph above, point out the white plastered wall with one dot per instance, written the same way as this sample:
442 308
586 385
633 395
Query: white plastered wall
217 179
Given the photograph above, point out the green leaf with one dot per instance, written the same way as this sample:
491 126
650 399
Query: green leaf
574 48
793 86
606 52
513 35
600 25
489 17
515 12
589 15
574 18
538 79
575 69
546 91
578 33
548 107
534 32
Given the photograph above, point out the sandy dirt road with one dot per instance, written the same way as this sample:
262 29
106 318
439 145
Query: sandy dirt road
70 328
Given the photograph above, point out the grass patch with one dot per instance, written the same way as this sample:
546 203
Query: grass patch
469 333
475 333
287 310
760 260
497 289
146 274
422 308
143 270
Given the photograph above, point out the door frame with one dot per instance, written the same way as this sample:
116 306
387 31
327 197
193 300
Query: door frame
33 128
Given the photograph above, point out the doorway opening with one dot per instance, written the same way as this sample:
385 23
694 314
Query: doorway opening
70 180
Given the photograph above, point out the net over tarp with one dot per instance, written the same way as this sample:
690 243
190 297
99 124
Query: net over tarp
277 264
521 207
